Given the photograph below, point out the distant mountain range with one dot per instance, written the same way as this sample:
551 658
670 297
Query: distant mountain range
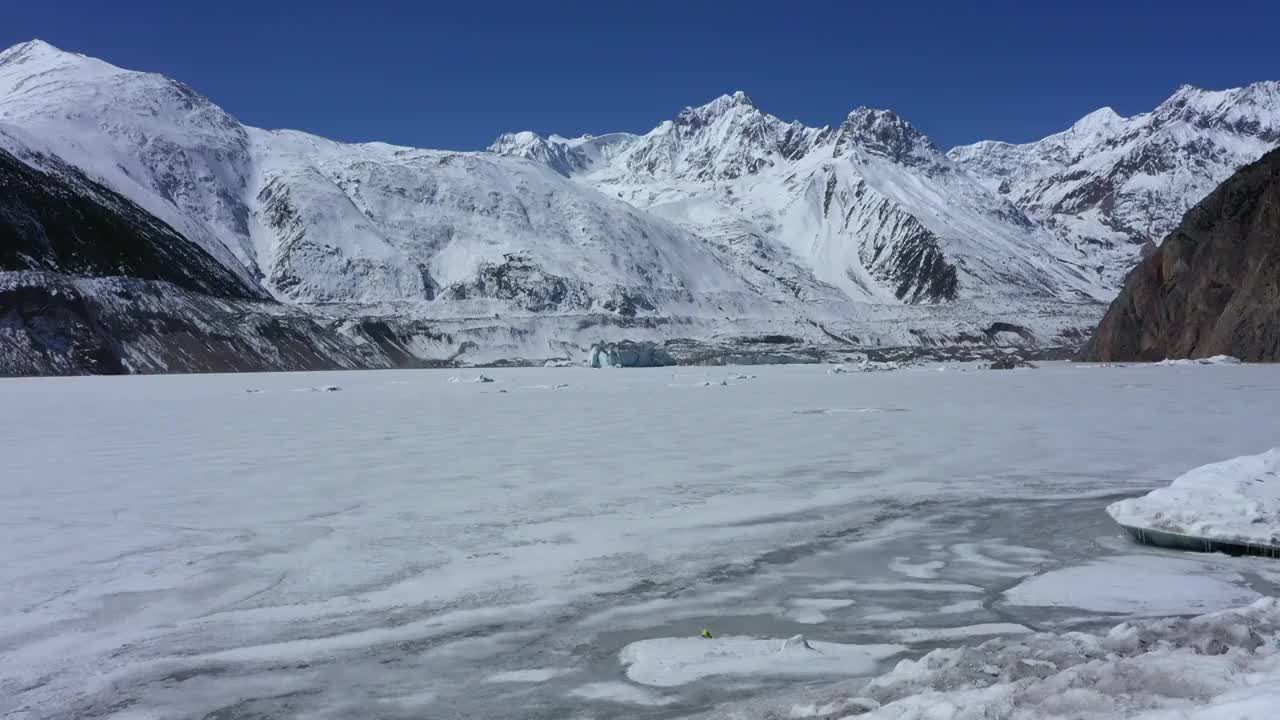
719 226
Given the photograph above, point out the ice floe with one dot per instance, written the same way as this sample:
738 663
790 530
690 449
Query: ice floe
1234 501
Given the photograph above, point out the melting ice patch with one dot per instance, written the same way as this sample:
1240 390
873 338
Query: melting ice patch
812 611
620 692
872 586
924 635
531 675
1139 584
924 571
669 662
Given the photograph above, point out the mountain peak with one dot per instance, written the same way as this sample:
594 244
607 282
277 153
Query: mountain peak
509 141
29 50
722 105
884 132
1099 119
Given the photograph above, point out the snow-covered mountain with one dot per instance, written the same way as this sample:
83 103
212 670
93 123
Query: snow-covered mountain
871 207
723 223
1112 186
319 221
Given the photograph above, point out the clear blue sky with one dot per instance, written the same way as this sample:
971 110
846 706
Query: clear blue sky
455 73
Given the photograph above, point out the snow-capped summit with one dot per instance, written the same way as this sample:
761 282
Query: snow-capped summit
885 133
1112 186
566 156
1097 121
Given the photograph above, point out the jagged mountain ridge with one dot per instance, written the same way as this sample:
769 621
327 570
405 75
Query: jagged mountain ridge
1114 187
871 207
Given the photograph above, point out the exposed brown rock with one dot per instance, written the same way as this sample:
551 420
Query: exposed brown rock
1213 286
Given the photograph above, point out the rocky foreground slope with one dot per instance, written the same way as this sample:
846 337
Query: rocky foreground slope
1213 286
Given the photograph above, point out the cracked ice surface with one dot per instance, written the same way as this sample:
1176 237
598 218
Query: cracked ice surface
176 546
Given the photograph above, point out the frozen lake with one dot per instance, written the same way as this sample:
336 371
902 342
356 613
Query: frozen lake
410 547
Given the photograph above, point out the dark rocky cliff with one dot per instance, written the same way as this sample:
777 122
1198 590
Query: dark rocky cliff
92 283
1213 287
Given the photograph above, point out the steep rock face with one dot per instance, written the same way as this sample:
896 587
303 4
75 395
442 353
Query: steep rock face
1113 187
57 220
152 139
1213 286
92 283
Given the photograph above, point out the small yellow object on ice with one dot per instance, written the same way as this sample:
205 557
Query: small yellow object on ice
706 633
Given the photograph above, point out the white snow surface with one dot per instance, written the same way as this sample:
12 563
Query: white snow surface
1236 500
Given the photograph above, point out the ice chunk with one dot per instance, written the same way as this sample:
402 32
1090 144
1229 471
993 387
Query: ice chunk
1235 501
1215 360
668 662
866 366
630 354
